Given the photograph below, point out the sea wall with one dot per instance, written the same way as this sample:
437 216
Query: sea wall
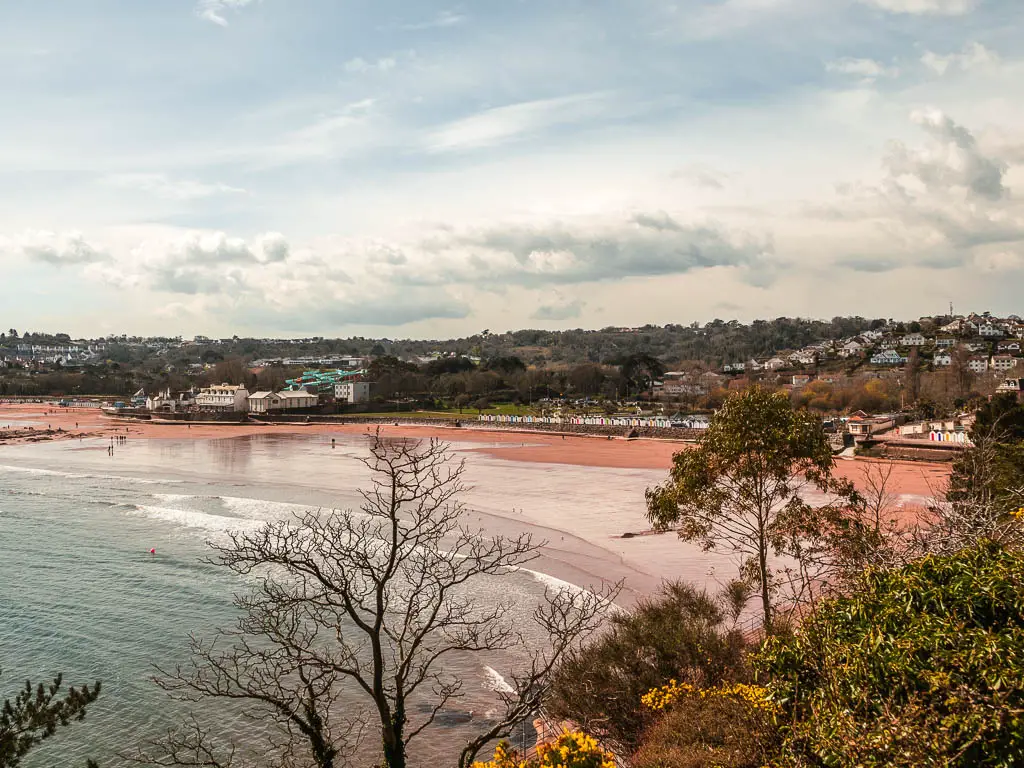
669 433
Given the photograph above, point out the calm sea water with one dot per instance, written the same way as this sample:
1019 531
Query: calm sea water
80 593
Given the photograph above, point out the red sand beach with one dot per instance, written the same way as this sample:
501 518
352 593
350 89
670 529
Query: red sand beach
909 478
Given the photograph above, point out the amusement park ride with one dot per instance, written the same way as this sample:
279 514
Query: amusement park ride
324 381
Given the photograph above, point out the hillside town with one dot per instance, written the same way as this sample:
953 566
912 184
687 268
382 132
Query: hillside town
986 348
882 381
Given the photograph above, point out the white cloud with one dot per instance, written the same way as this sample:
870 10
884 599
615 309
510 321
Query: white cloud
974 56
440 21
581 250
170 189
942 205
57 249
1000 261
702 176
559 307
921 7
869 69
951 159
360 64
720 19
427 276
215 10
332 134
507 123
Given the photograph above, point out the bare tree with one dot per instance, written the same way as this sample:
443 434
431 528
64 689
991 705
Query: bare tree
977 504
960 368
831 545
912 377
356 617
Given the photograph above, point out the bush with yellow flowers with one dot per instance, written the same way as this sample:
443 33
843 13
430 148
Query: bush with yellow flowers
731 725
660 699
572 749
504 757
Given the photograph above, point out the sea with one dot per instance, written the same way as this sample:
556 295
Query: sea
82 595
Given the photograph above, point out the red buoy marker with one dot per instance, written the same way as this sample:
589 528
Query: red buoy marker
152 551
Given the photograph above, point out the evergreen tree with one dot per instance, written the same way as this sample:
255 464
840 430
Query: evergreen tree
36 713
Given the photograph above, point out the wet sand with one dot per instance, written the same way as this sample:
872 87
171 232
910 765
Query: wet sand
910 478
578 494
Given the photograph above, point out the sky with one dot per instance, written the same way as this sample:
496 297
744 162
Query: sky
425 169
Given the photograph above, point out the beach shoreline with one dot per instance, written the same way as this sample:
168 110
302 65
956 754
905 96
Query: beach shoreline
918 479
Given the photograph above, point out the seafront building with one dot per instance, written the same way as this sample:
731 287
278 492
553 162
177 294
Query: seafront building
268 402
352 392
169 400
223 397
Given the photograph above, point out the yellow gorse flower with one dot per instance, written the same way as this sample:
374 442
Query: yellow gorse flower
659 699
663 697
504 757
572 749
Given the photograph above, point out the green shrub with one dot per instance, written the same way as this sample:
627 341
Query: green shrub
922 666
703 732
680 634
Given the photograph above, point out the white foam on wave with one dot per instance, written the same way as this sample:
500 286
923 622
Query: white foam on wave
553 583
197 520
497 683
263 508
85 475
35 471
558 586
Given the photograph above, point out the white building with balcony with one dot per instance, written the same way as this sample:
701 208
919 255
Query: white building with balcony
888 357
1003 363
913 340
223 397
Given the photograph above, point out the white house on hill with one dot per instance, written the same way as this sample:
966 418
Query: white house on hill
888 357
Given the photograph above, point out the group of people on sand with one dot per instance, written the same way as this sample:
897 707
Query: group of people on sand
118 439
